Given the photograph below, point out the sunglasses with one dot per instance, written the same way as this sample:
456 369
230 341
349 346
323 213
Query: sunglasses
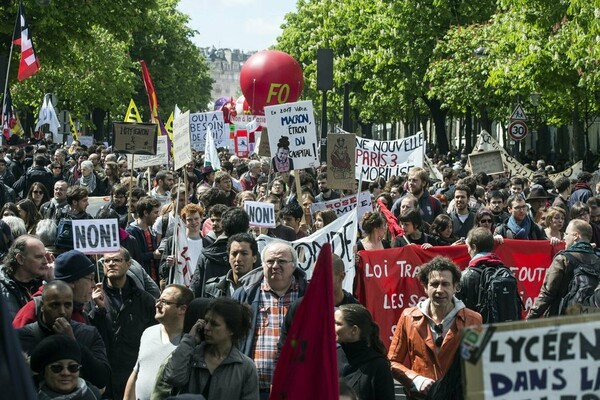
58 368
486 221
439 330
38 192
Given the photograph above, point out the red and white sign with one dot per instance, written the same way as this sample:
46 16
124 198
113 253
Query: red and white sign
518 130
518 114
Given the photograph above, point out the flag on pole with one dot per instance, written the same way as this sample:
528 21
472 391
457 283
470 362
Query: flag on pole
307 366
183 272
9 119
73 128
152 99
211 156
132 114
29 64
48 116
169 129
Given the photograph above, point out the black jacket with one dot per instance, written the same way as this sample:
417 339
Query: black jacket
366 371
35 174
129 311
213 262
95 367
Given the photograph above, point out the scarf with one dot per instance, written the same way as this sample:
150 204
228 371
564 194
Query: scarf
88 182
581 247
80 392
520 231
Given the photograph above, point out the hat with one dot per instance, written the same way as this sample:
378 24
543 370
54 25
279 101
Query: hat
72 265
536 193
207 170
52 349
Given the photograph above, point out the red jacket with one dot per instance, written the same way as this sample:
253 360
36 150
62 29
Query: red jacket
28 313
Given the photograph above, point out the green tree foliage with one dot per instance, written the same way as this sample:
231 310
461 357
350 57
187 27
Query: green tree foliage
89 53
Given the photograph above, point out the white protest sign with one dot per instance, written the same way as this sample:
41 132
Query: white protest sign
145 161
199 122
292 136
346 204
86 141
550 358
93 236
386 158
261 214
182 150
341 233
243 120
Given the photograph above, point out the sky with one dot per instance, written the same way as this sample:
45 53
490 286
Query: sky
236 24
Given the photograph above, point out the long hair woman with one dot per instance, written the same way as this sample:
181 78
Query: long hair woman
441 232
29 214
38 194
208 361
362 357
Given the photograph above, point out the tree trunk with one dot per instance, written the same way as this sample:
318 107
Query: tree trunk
98 116
439 118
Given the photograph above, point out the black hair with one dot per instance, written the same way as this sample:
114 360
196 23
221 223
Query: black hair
237 316
243 238
235 220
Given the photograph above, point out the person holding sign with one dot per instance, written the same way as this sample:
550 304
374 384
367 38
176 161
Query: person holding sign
282 161
428 335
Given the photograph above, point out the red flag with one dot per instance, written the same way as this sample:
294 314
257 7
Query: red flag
307 367
394 228
29 64
152 99
9 118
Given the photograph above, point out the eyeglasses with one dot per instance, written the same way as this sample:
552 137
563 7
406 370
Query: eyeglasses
486 221
271 263
439 330
163 302
58 368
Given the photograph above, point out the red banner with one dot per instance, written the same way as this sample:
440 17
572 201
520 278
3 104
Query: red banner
387 280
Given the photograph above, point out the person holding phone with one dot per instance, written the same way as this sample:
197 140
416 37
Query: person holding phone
208 361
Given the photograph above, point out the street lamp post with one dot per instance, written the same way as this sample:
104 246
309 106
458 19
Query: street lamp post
534 98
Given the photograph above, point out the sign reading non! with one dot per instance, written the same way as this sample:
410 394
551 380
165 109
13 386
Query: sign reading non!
94 236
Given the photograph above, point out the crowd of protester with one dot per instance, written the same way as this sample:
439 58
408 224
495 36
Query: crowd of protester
121 329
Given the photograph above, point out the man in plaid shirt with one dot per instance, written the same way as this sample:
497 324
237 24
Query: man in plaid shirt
270 291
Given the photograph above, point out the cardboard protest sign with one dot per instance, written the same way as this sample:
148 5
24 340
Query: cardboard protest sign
346 204
340 161
135 138
341 233
486 142
161 157
263 143
261 214
182 149
550 358
489 162
292 136
94 236
200 122
387 281
386 158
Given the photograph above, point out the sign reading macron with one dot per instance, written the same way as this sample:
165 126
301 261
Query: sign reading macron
93 236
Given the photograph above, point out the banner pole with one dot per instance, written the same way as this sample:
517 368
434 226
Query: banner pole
129 203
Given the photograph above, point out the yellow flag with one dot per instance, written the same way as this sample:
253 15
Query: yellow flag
169 129
73 128
132 114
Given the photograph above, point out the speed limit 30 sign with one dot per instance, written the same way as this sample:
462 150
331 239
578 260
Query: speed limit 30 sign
517 130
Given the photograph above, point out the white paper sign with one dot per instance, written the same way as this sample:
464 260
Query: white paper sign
145 161
261 214
182 151
346 204
93 236
199 122
86 141
387 158
292 136
341 233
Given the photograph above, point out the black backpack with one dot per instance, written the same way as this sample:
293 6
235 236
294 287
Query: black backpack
498 299
584 282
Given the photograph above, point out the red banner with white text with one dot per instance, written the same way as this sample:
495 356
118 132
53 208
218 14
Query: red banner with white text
387 280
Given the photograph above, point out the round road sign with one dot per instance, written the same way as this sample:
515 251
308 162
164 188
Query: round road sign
517 130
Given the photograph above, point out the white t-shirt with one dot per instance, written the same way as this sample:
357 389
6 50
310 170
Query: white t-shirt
194 250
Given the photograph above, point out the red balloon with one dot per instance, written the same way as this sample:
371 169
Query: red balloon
271 77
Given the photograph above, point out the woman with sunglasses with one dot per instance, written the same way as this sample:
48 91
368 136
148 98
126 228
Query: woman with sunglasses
57 360
484 218
38 194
